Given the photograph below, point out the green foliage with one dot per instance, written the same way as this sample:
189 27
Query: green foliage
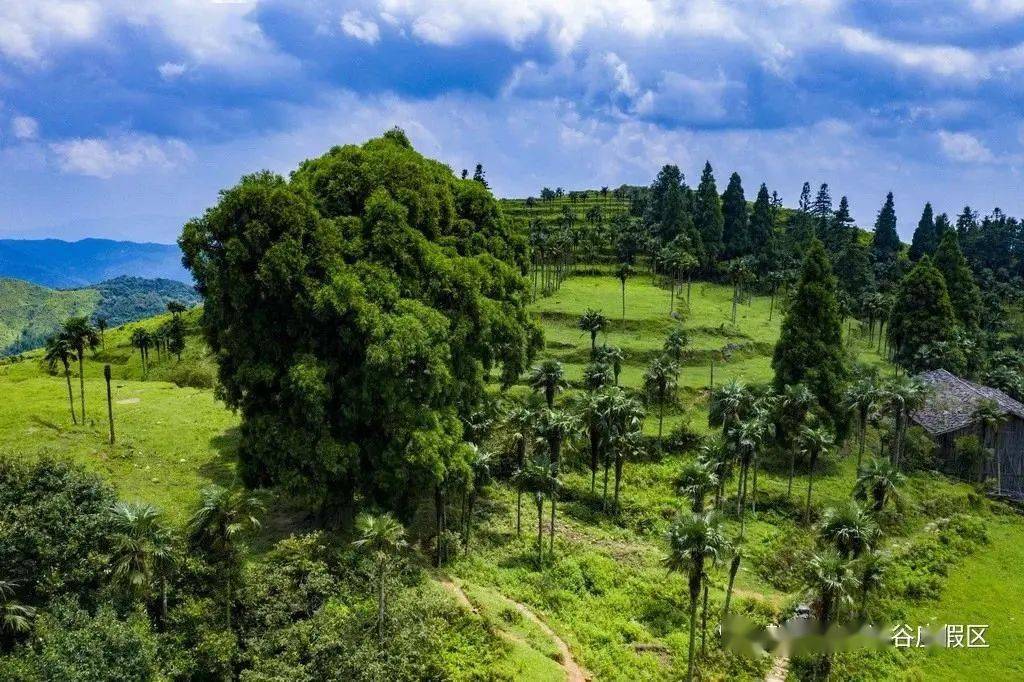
964 294
885 244
735 229
381 289
707 216
923 316
925 240
810 348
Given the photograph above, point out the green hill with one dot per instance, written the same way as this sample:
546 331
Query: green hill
29 312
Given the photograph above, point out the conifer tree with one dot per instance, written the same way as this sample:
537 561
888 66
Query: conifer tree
841 229
922 315
735 228
964 294
966 223
942 227
854 272
924 241
707 215
804 204
821 210
886 245
762 232
810 348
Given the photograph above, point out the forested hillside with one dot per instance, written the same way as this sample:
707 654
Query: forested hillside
29 313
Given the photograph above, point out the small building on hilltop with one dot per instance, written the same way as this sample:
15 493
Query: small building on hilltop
950 412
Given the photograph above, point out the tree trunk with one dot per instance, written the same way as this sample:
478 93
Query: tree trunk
792 471
810 484
110 402
623 303
551 543
81 382
380 601
863 434
618 479
753 497
71 396
540 529
734 567
694 594
704 622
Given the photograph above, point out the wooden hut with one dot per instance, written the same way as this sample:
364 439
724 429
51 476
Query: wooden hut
950 411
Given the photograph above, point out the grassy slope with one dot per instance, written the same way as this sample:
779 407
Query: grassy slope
607 592
36 310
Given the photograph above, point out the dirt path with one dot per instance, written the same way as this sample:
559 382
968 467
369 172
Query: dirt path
573 671
779 670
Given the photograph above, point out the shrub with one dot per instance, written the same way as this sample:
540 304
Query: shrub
782 556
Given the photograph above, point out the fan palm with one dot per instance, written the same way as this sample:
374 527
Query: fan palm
729 403
660 382
860 398
695 480
592 322
520 420
142 339
15 618
902 396
814 442
872 569
81 335
222 518
60 350
538 479
794 404
880 482
480 476
624 272
383 539
695 540
548 377
675 343
597 375
830 581
142 556
590 407
850 528
613 357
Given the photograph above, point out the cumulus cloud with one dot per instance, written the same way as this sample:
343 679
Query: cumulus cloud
354 24
942 60
29 29
171 70
964 147
123 154
25 127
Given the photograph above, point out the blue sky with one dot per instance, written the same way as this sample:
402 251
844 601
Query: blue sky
123 119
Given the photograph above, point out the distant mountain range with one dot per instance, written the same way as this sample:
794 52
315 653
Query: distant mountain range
63 265
29 312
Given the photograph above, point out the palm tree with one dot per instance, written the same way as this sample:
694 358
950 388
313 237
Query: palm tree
555 429
480 477
814 442
142 557
548 377
101 323
850 528
903 396
660 382
695 480
597 375
675 344
748 438
592 322
217 525
739 272
590 407
794 405
537 478
872 568
992 417
624 272
520 419
613 357
880 482
383 539
15 618
81 335
775 278
141 339
830 582
59 349
860 398
694 540
729 404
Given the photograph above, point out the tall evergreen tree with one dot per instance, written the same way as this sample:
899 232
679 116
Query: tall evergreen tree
841 229
886 245
810 348
964 293
924 241
667 214
707 215
923 316
821 210
804 203
800 229
966 223
942 227
762 233
735 229
854 272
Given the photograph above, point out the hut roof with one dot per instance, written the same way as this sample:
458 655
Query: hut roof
952 402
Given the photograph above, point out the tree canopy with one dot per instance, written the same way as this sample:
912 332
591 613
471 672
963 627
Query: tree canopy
354 311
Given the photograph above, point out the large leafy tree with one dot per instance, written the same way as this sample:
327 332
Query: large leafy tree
922 315
355 311
810 348
964 294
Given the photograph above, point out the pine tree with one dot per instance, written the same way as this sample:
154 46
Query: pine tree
735 229
479 176
922 316
966 223
841 229
667 214
854 272
804 204
810 348
942 227
707 215
886 245
964 294
924 242
762 233
821 210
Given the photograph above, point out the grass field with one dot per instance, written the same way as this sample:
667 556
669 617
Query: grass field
606 593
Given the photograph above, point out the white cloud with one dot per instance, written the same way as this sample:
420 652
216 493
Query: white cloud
964 147
29 29
122 154
25 127
171 70
362 28
941 60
